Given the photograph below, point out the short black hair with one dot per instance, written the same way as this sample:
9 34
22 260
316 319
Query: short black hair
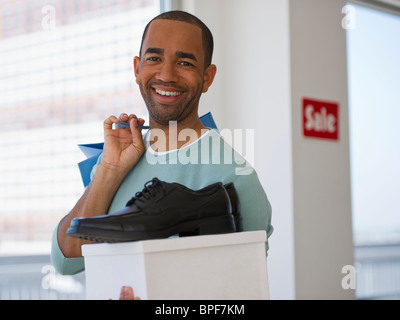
177 15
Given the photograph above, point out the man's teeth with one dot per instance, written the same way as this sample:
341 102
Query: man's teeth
168 93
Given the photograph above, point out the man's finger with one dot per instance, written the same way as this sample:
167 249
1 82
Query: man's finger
108 123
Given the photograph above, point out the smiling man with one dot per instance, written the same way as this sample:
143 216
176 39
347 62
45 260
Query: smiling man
173 70
172 76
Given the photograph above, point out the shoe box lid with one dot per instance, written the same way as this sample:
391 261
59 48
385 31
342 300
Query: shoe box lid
174 244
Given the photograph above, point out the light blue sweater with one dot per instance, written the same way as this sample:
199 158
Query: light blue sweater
210 159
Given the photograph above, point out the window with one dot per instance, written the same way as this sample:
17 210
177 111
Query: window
374 75
65 67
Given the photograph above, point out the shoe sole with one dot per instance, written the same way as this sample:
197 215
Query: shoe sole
215 225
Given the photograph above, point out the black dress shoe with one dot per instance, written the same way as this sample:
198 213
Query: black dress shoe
159 211
236 210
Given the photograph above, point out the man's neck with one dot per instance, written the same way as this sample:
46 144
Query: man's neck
175 135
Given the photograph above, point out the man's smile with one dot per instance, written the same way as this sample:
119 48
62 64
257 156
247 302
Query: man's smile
168 93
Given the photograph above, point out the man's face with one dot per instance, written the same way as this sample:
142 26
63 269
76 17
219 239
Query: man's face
171 72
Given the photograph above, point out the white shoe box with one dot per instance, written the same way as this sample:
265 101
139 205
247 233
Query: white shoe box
212 267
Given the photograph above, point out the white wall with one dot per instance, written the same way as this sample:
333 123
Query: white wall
321 168
263 49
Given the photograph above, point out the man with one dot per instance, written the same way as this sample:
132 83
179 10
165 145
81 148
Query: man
173 70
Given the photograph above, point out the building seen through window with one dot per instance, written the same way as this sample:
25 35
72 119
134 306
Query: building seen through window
64 67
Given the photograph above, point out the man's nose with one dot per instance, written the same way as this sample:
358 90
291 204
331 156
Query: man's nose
168 72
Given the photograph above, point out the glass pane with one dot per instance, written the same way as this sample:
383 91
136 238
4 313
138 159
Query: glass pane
374 51
64 67
374 78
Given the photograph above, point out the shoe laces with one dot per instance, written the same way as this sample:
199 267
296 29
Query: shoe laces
151 188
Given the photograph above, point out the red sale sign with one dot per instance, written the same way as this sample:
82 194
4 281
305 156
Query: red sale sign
320 119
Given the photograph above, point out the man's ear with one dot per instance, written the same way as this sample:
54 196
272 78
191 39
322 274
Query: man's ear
209 76
136 63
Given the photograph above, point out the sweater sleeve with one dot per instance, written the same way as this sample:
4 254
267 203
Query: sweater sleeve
63 265
255 206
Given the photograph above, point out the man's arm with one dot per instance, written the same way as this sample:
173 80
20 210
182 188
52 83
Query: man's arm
94 202
122 150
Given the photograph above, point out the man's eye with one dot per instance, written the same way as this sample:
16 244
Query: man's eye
185 64
153 59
